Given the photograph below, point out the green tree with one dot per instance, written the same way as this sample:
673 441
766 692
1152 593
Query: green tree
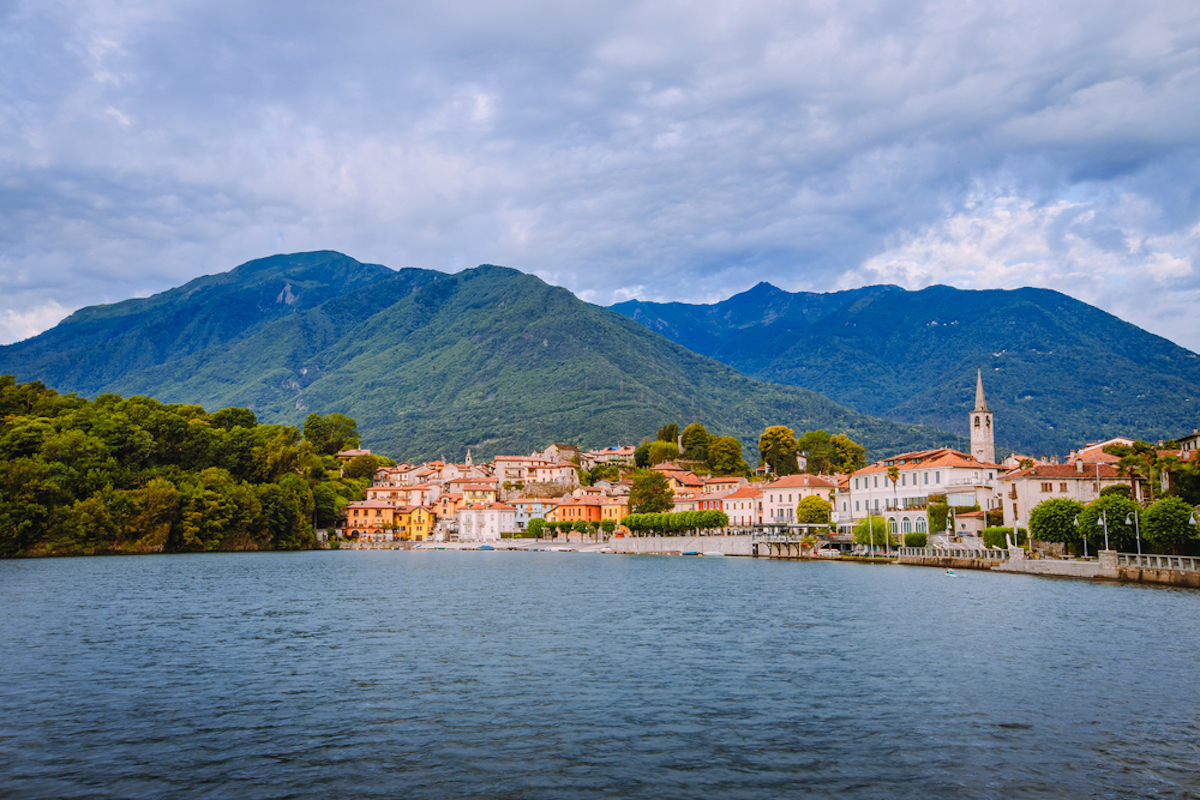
650 493
364 466
777 444
332 433
850 456
608 526
817 447
1113 509
872 530
661 451
1167 524
813 510
230 418
916 539
725 455
937 511
641 455
669 433
1054 521
696 441
536 527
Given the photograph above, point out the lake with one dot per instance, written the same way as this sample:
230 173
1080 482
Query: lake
553 675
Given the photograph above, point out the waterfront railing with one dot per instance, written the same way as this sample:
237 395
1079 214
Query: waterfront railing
1158 562
991 554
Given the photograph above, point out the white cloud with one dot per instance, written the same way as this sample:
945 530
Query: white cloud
678 150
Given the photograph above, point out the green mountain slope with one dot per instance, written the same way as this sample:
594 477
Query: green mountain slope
1057 371
100 344
492 359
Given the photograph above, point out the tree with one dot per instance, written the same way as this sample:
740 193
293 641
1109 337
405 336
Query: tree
661 451
916 539
1168 524
668 433
813 510
893 475
608 526
850 456
641 455
364 466
871 531
777 444
1112 509
696 441
819 452
535 527
937 511
332 433
650 493
999 536
725 455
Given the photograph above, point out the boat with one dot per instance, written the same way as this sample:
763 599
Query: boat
485 547
715 555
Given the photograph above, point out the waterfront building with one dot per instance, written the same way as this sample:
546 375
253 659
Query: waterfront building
485 522
1024 489
744 507
529 508
781 496
369 521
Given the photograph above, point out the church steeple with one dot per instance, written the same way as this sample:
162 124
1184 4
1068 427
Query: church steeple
983 442
980 402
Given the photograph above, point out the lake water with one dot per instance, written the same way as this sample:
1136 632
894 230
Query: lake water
548 675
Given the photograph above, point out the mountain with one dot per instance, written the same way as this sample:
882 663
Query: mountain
98 345
429 364
1058 372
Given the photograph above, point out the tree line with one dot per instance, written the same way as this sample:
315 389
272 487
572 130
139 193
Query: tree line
118 474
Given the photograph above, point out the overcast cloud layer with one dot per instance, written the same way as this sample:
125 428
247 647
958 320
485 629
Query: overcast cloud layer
665 151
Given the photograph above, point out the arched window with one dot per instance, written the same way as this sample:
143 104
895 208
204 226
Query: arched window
892 525
906 525
920 524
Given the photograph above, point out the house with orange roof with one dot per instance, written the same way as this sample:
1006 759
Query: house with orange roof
415 523
571 509
728 483
744 507
1079 480
369 521
530 508
781 496
680 479
614 507
964 481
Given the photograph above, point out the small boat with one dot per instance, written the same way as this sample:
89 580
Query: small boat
485 547
715 555
690 552
950 574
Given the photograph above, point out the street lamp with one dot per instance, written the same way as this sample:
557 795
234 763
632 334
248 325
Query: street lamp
1137 529
1085 555
1104 521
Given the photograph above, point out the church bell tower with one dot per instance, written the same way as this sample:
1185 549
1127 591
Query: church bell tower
983 442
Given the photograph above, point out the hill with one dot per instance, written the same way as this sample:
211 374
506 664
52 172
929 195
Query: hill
1058 372
430 364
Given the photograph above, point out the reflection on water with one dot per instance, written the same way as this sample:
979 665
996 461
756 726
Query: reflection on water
538 675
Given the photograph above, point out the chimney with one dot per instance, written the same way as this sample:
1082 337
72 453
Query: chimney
1079 466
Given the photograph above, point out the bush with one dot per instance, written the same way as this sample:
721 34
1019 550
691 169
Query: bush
916 539
998 537
1119 489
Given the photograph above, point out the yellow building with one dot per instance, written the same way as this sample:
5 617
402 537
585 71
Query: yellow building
414 523
370 521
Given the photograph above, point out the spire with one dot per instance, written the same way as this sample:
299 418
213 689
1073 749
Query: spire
980 402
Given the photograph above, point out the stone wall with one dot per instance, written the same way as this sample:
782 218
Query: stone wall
727 545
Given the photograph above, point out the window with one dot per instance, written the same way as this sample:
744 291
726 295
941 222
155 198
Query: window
856 483
977 422
920 525
926 478
876 503
876 481
906 525
1047 487
937 477
903 479
1062 487
892 525
856 508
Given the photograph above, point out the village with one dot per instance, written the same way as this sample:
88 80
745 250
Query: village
541 495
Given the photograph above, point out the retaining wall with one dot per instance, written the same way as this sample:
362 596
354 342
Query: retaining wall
728 545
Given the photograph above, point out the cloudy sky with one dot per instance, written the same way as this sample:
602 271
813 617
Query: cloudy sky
666 151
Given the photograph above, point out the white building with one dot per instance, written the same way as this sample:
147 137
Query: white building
1079 480
780 497
485 521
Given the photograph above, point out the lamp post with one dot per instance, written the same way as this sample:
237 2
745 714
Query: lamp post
1137 529
1104 521
1085 555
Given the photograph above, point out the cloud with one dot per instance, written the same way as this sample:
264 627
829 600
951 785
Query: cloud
670 150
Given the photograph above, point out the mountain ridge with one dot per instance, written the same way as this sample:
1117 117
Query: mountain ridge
488 358
1058 371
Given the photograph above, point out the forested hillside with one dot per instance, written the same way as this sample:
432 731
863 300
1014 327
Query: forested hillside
431 364
1058 372
133 475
